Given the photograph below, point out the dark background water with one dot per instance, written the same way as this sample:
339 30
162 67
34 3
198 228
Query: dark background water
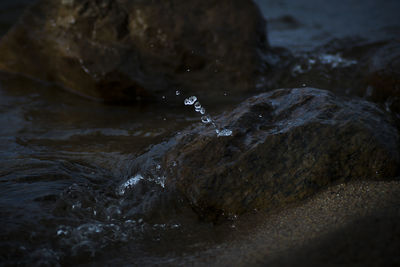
63 158
305 24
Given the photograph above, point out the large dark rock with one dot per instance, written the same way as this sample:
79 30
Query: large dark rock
285 145
124 50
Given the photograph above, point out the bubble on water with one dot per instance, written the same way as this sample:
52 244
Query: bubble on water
202 111
205 119
158 167
190 100
177 92
224 132
129 183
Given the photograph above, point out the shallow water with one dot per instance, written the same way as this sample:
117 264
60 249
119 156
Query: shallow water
306 24
64 162
72 184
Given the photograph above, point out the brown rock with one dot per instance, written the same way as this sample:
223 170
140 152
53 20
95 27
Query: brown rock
286 145
123 50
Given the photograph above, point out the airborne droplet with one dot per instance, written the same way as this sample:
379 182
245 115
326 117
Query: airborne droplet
190 100
206 119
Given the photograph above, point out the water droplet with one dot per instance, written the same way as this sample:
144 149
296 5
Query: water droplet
188 70
202 111
174 226
225 94
62 232
304 85
206 119
224 132
158 167
177 92
174 164
190 100
164 119
197 107
260 115
161 181
163 97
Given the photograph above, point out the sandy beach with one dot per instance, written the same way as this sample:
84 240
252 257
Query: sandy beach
145 133
353 224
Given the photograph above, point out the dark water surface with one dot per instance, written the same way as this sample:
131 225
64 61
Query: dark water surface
64 160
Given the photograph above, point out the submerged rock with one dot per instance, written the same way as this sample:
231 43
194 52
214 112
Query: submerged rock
125 50
286 145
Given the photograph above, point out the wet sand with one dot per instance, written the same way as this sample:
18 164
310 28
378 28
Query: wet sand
347 224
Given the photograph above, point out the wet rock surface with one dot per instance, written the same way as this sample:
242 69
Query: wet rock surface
285 146
121 51
350 66
87 183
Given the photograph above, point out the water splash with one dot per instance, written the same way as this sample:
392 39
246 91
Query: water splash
224 132
129 183
335 60
332 60
206 119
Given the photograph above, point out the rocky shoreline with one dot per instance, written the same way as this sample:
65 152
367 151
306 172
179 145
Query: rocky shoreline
307 149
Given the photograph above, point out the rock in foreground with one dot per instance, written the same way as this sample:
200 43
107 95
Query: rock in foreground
286 145
120 51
